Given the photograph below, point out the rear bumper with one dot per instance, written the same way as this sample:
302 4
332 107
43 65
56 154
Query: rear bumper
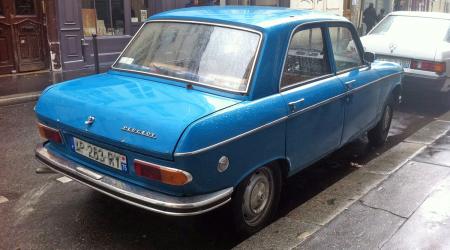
133 194
432 82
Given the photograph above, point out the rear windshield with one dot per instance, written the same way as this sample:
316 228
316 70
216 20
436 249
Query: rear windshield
410 27
215 56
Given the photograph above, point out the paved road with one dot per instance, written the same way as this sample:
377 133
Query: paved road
38 211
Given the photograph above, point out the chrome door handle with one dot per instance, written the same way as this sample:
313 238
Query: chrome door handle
293 105
349 84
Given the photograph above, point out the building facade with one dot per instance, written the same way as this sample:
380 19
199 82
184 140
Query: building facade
57 34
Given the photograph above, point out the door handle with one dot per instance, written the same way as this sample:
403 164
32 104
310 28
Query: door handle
293 106
349 84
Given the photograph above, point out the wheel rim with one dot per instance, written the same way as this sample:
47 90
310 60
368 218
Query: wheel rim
387 118
258 196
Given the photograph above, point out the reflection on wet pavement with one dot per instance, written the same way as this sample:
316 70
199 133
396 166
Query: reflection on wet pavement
429 227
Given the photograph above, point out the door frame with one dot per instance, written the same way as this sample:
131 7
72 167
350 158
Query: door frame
13 21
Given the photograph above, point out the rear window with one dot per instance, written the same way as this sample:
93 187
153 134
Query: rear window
417 28
209 55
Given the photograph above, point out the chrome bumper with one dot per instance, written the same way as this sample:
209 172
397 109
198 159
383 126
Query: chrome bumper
133 194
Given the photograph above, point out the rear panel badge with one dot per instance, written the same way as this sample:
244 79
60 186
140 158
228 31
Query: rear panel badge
139 132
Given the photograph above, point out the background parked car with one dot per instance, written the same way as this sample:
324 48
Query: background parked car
419 42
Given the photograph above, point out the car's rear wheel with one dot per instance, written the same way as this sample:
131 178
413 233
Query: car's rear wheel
256 200
378 135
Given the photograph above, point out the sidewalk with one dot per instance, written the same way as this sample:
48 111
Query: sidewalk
18 88
400 200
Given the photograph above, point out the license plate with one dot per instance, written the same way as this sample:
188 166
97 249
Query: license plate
101 155
405 63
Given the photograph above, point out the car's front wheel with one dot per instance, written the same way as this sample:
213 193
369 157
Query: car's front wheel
256 200
378 135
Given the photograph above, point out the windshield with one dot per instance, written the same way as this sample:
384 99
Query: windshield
415 28
204 54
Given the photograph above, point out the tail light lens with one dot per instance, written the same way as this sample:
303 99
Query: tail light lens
165 175
49 133
438 67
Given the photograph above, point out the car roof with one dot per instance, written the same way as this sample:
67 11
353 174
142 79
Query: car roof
438 15
255 16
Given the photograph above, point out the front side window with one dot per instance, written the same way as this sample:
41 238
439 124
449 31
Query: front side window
306 58
346 54
102 17
220 57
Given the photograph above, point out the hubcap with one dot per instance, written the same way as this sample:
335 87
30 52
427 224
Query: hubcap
257 196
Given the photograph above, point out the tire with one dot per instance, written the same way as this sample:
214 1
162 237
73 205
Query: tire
255 201
378 135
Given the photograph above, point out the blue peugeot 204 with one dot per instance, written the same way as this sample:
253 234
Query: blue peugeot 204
214 105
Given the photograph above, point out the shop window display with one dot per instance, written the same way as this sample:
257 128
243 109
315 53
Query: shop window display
102 17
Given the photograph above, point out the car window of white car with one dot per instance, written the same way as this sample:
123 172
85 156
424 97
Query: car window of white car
306 57
346 54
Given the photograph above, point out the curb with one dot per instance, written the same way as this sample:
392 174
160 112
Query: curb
19 98
299 224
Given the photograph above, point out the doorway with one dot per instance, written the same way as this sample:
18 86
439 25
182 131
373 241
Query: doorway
22 46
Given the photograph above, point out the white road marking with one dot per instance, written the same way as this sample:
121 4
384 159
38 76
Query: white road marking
64 179
26 204
3 199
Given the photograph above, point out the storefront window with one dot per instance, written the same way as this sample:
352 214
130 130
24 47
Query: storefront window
254 2
265 2
139 11
102 17
202 3
24 7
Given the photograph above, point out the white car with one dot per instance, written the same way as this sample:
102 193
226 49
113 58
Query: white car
418 41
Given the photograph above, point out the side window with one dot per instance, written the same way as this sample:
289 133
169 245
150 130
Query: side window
346 54
306 58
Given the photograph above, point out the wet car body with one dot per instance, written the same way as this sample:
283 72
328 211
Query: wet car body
216 137
423 50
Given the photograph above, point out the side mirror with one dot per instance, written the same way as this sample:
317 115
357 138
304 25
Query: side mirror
369 57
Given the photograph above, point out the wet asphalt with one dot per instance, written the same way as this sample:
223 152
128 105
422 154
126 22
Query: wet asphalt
40 212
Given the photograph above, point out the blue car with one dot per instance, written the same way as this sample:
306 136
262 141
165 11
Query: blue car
214 105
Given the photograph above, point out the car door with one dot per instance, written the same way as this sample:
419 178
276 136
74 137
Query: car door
314 96
359 80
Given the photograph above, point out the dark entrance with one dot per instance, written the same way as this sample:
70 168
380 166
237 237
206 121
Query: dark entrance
22 46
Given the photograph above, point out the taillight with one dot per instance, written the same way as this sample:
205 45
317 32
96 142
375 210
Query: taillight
163 174
49 133
438 67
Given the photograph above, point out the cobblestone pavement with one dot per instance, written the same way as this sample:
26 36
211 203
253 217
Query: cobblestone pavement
44 211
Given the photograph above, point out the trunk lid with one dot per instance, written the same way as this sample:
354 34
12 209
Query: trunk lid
117 101
400 47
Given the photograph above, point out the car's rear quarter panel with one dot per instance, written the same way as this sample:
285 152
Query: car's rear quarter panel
250 134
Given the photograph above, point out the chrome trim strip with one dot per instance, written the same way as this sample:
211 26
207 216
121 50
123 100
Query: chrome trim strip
315 79
232 138
316 105
374 81
133 194
258 48
284 118
349 92
362 67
